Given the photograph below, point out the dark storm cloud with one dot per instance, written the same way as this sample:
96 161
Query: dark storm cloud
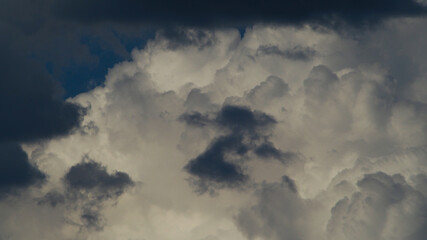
34 45
234 118
219 166
297 53
226 13
212 165
88 187
31 110
238 119
30 103
91 176
16 172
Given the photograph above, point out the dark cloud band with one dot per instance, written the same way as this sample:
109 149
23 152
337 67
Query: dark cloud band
226 13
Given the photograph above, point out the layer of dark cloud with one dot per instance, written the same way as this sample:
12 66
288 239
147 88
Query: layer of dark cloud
219 166
226 13
16 171
182 37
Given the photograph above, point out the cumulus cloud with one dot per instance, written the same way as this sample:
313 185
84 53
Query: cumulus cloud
329 148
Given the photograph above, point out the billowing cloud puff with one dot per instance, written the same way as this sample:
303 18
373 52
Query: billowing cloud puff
385 207
302 134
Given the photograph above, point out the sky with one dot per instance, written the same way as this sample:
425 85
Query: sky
213 120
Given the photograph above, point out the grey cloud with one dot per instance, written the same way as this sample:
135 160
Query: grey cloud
297 53
319 85
382 207
268 150
195 119
212 168
219 166
420 182
92 219
280 213
52 198
264 93
197 100
377 211
88 187
89 129
91 176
